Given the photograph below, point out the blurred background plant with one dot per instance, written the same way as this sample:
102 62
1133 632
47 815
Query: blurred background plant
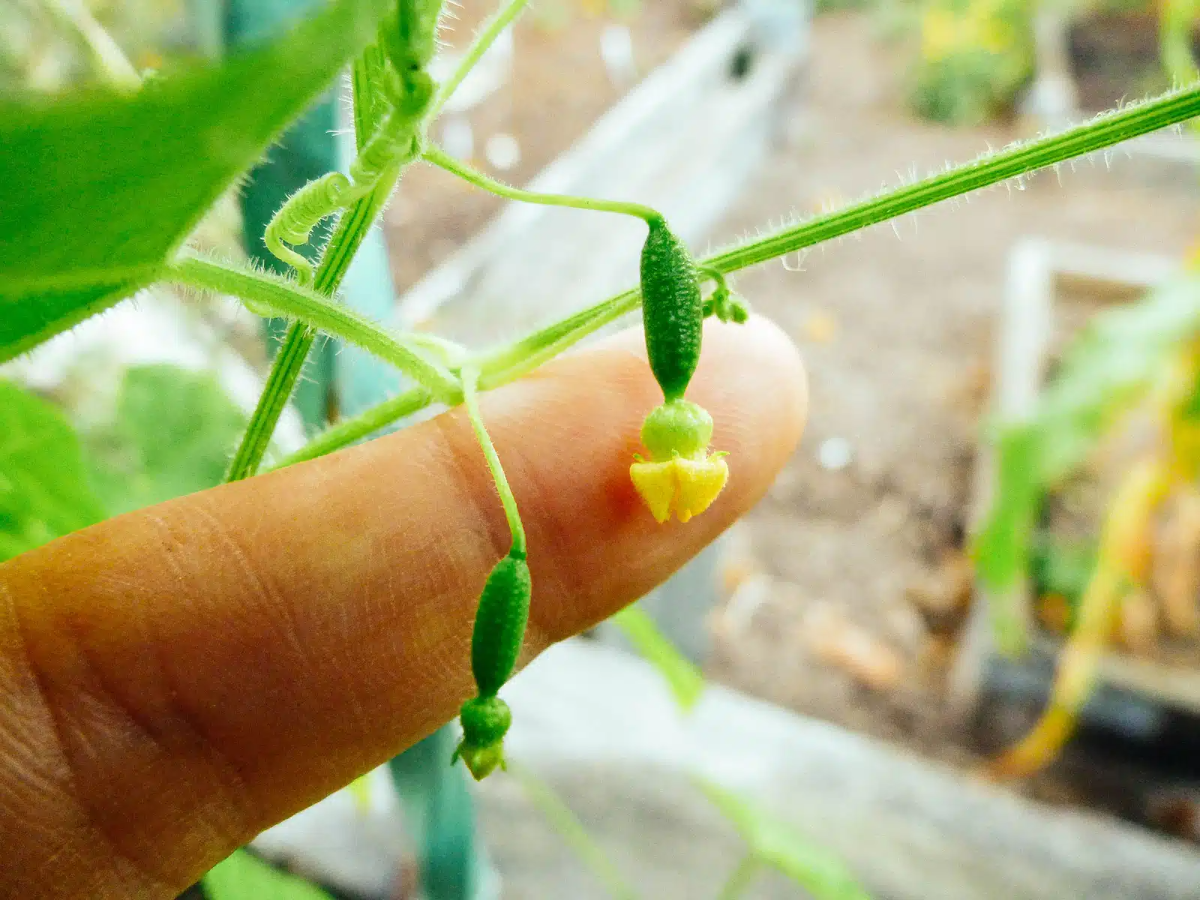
1096 503
1096 491
973 56
40 49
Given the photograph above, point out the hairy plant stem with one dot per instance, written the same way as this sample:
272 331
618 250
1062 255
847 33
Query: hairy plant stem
992 168
319 312
443 160
491 30
376 418
470 380
522 357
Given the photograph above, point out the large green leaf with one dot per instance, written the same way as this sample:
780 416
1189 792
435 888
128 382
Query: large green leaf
775 842
172 435
44 491
39 317
102 186
243 876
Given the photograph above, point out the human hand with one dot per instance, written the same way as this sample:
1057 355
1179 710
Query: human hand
176 680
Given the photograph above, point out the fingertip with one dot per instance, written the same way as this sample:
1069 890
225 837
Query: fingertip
750 379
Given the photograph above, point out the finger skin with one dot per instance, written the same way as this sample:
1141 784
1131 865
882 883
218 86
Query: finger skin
177 679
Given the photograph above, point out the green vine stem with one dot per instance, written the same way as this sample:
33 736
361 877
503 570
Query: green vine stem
1013 161
491 30
498 369
470 379
501 366
443 160
367 75
374 419
522 357
317 311
293 351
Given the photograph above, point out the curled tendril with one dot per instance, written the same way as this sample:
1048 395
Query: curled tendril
399 139
296 219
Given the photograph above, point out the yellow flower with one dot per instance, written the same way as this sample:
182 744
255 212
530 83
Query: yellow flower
681 476
686 487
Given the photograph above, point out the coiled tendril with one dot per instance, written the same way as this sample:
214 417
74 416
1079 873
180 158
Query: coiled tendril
399 139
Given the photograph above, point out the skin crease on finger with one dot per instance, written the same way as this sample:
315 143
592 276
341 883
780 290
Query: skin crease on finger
179 678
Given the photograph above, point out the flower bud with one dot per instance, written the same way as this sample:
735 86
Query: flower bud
681 476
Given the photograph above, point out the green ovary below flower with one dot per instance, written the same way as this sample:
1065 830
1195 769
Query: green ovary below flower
680 476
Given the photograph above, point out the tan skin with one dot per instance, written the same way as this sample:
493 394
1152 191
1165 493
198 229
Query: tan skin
177 679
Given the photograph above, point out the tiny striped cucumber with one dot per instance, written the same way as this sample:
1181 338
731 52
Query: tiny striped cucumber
672 309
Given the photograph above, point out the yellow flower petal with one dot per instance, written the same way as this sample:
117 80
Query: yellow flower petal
657 484
700 481
686 487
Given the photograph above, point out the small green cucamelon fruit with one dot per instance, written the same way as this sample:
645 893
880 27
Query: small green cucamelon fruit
500 623
672 309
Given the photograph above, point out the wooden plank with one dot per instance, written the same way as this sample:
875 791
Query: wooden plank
601 728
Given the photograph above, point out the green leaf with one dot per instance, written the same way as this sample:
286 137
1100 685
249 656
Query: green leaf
172 435
111 183
776 842
1112 363
243 876
44 491
684 679
1001 549
40 317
